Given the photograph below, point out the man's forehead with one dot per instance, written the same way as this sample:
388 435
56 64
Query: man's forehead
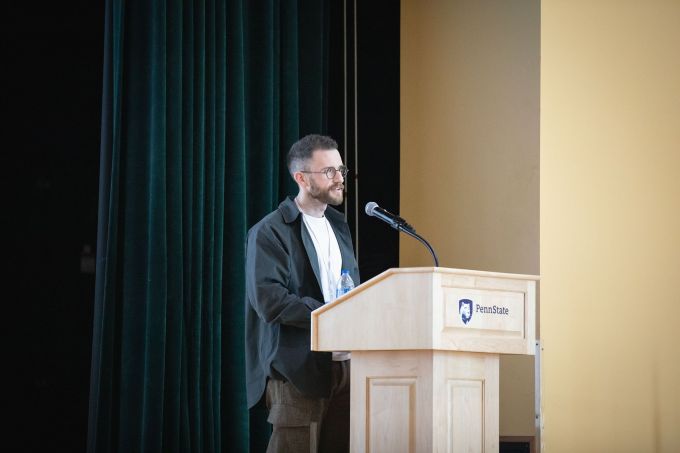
326 157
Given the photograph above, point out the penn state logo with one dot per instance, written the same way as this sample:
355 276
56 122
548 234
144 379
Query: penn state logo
465 310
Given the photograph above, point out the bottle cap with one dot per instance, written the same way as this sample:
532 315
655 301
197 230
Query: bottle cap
344 271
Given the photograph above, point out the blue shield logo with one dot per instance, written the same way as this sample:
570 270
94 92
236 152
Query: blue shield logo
465 310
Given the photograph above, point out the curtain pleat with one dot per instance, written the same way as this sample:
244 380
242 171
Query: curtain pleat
201 101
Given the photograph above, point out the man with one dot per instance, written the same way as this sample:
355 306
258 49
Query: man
293 262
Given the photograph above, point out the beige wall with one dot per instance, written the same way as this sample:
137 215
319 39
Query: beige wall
610 225
470 150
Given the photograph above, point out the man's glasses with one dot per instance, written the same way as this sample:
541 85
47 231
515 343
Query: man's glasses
330 171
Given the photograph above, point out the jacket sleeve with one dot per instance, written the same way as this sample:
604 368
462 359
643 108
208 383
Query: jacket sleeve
267 276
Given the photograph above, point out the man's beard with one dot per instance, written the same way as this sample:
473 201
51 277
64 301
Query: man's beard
330 196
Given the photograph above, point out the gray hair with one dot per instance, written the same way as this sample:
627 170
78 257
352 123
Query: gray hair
302 150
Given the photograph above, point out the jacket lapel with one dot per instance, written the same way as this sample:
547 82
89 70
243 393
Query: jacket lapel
311 253
290 214
342 234
345 248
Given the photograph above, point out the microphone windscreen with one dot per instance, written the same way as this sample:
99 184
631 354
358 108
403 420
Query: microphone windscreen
370 206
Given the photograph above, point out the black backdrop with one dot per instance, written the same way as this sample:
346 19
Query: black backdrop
52 76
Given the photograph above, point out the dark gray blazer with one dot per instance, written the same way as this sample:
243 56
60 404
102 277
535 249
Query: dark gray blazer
282 289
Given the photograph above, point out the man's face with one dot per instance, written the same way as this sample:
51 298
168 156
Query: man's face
328 191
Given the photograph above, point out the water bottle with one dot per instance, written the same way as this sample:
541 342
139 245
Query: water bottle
345 284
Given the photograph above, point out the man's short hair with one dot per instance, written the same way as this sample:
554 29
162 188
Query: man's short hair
302 150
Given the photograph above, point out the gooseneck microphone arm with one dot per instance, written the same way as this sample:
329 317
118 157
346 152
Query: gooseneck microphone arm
396 222
415 235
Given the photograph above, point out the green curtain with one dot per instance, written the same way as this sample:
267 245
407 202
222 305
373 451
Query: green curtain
201 101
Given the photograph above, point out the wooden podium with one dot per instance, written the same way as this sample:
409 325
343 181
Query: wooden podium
425 346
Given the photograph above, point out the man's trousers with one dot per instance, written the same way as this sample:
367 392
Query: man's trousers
302 424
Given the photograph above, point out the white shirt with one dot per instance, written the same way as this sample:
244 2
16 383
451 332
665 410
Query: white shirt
327 252
330 261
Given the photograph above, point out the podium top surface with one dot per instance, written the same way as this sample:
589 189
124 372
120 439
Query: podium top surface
427 270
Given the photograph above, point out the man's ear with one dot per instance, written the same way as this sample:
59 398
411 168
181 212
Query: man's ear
299 178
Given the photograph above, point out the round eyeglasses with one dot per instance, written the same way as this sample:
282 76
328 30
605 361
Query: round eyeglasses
330 171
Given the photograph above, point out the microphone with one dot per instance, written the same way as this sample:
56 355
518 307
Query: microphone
393 220
399 224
